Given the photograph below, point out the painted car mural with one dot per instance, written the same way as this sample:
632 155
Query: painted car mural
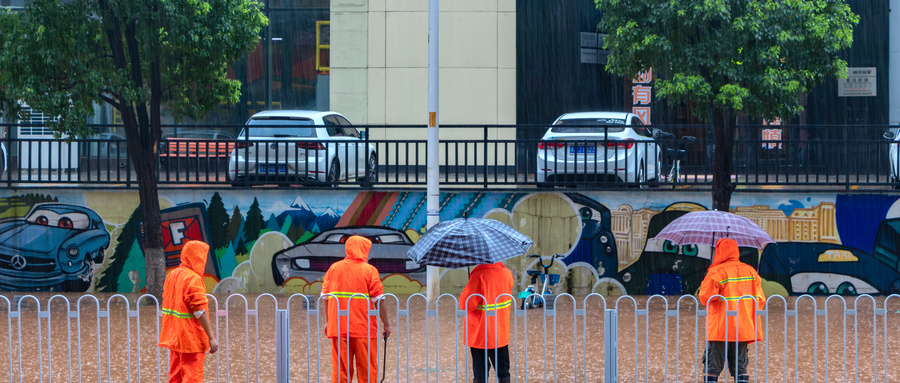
53 248
311 259
825 268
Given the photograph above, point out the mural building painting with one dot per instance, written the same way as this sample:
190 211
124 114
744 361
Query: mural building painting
284 241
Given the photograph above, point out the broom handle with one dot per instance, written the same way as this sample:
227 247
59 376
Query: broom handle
384 361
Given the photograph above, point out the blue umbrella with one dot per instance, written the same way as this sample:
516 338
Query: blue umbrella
468 242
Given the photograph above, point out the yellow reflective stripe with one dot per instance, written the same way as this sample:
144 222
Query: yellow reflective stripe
177 314
738 279
343 294
739 297
498 306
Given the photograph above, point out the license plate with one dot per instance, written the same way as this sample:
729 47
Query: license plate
580 149
272 169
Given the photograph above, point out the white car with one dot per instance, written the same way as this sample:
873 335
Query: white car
285 146
602 146
894 178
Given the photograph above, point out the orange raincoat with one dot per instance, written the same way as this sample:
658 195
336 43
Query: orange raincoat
347 277
184 295
731 278
491 281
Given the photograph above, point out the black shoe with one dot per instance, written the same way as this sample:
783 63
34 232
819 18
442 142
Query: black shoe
743 379
710 379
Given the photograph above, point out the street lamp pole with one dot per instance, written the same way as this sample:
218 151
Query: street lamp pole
432 175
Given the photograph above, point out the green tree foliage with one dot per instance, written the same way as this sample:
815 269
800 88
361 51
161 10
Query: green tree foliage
64 57
218 221
109 282
254 223
755 57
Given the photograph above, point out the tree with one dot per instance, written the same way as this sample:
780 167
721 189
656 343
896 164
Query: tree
234 224
64 57
254 222
756 57
218 222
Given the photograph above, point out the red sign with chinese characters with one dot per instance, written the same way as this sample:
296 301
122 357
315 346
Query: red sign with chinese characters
642 94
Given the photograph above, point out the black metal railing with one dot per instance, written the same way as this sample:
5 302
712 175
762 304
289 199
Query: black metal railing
486 156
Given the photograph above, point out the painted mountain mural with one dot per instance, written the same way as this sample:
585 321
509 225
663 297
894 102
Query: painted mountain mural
326 221
300 214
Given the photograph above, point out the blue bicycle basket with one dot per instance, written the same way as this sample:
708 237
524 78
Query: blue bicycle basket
554 278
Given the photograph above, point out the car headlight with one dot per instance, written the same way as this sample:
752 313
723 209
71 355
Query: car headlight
72 251
302 263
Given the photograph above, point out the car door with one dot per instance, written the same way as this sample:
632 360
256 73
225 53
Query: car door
647 151
358 151
337 143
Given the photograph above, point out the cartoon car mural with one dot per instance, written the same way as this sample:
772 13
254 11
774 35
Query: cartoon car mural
826 268
53 248
668 269
312 258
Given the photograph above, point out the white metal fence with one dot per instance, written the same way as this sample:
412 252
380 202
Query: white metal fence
590 338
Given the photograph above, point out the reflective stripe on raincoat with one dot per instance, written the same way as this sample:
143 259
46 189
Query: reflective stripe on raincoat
353 282
490 281
184 294
732 279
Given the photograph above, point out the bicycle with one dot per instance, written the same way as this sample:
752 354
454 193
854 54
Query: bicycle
675 153
529 296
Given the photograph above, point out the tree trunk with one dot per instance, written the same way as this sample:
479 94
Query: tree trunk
723 132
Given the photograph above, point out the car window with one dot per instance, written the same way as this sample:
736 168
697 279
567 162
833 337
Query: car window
280 127
589 125
351 132
335 131
341 120
75 221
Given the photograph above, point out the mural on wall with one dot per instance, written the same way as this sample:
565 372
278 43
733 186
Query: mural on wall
285 240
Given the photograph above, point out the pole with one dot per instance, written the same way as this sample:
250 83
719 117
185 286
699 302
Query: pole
432 180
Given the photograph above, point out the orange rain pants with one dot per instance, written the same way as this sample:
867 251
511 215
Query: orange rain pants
342 365
186 367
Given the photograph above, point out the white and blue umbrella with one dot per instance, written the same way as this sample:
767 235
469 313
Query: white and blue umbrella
466 242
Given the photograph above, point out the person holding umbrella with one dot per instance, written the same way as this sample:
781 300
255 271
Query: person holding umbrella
732 279
483 243
354 285
487 339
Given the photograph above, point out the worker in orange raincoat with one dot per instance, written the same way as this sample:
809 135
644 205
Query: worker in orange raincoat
482 335
185 322
355 286
732 279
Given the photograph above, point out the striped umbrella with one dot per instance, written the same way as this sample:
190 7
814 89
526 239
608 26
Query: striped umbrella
705 227
468 242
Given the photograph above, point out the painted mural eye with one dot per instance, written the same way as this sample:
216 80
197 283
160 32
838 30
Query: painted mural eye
689 250
669 247
41 220
65 223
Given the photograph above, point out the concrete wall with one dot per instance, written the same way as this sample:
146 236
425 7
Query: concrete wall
835 243
379 65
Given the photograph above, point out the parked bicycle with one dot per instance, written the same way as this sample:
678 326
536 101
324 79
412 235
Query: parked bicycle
529 296
675 153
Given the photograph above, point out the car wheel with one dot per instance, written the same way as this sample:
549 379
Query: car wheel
334 173
846 288
371 170
641 177
100 254
817 288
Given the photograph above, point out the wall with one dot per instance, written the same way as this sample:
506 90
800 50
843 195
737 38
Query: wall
379 65
832 243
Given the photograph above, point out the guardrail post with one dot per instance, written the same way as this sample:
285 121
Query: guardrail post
282 346
610 329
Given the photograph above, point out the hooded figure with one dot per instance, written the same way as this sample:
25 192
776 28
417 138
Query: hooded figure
185 323
487 340
730 279
354 285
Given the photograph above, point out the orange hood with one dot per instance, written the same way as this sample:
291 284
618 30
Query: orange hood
726 251
357 248
193 256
